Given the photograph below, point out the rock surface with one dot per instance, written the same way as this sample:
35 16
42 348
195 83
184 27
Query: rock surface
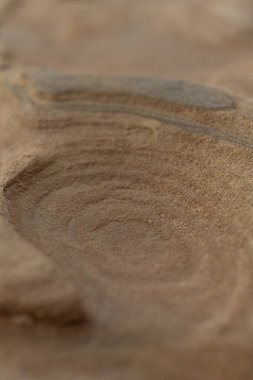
140 191
160 159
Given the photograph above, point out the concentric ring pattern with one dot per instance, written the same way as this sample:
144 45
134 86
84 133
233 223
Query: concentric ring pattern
152 220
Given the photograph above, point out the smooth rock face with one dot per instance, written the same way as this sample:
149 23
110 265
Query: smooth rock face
146 203
196 40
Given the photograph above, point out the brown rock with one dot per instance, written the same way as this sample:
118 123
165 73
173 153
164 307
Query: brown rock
140 190
192 144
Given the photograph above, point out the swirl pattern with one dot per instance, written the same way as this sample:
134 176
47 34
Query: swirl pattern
147 203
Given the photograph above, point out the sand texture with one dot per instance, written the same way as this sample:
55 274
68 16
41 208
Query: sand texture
139 190
126 190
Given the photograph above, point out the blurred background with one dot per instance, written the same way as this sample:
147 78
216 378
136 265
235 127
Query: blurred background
198 40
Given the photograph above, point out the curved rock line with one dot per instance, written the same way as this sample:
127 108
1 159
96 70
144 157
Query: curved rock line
153 223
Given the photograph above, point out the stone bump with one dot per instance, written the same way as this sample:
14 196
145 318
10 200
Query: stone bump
141 191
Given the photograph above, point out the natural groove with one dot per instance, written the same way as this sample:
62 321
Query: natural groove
145 200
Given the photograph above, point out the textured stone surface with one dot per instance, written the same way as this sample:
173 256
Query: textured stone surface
159 143
130 38
145 202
